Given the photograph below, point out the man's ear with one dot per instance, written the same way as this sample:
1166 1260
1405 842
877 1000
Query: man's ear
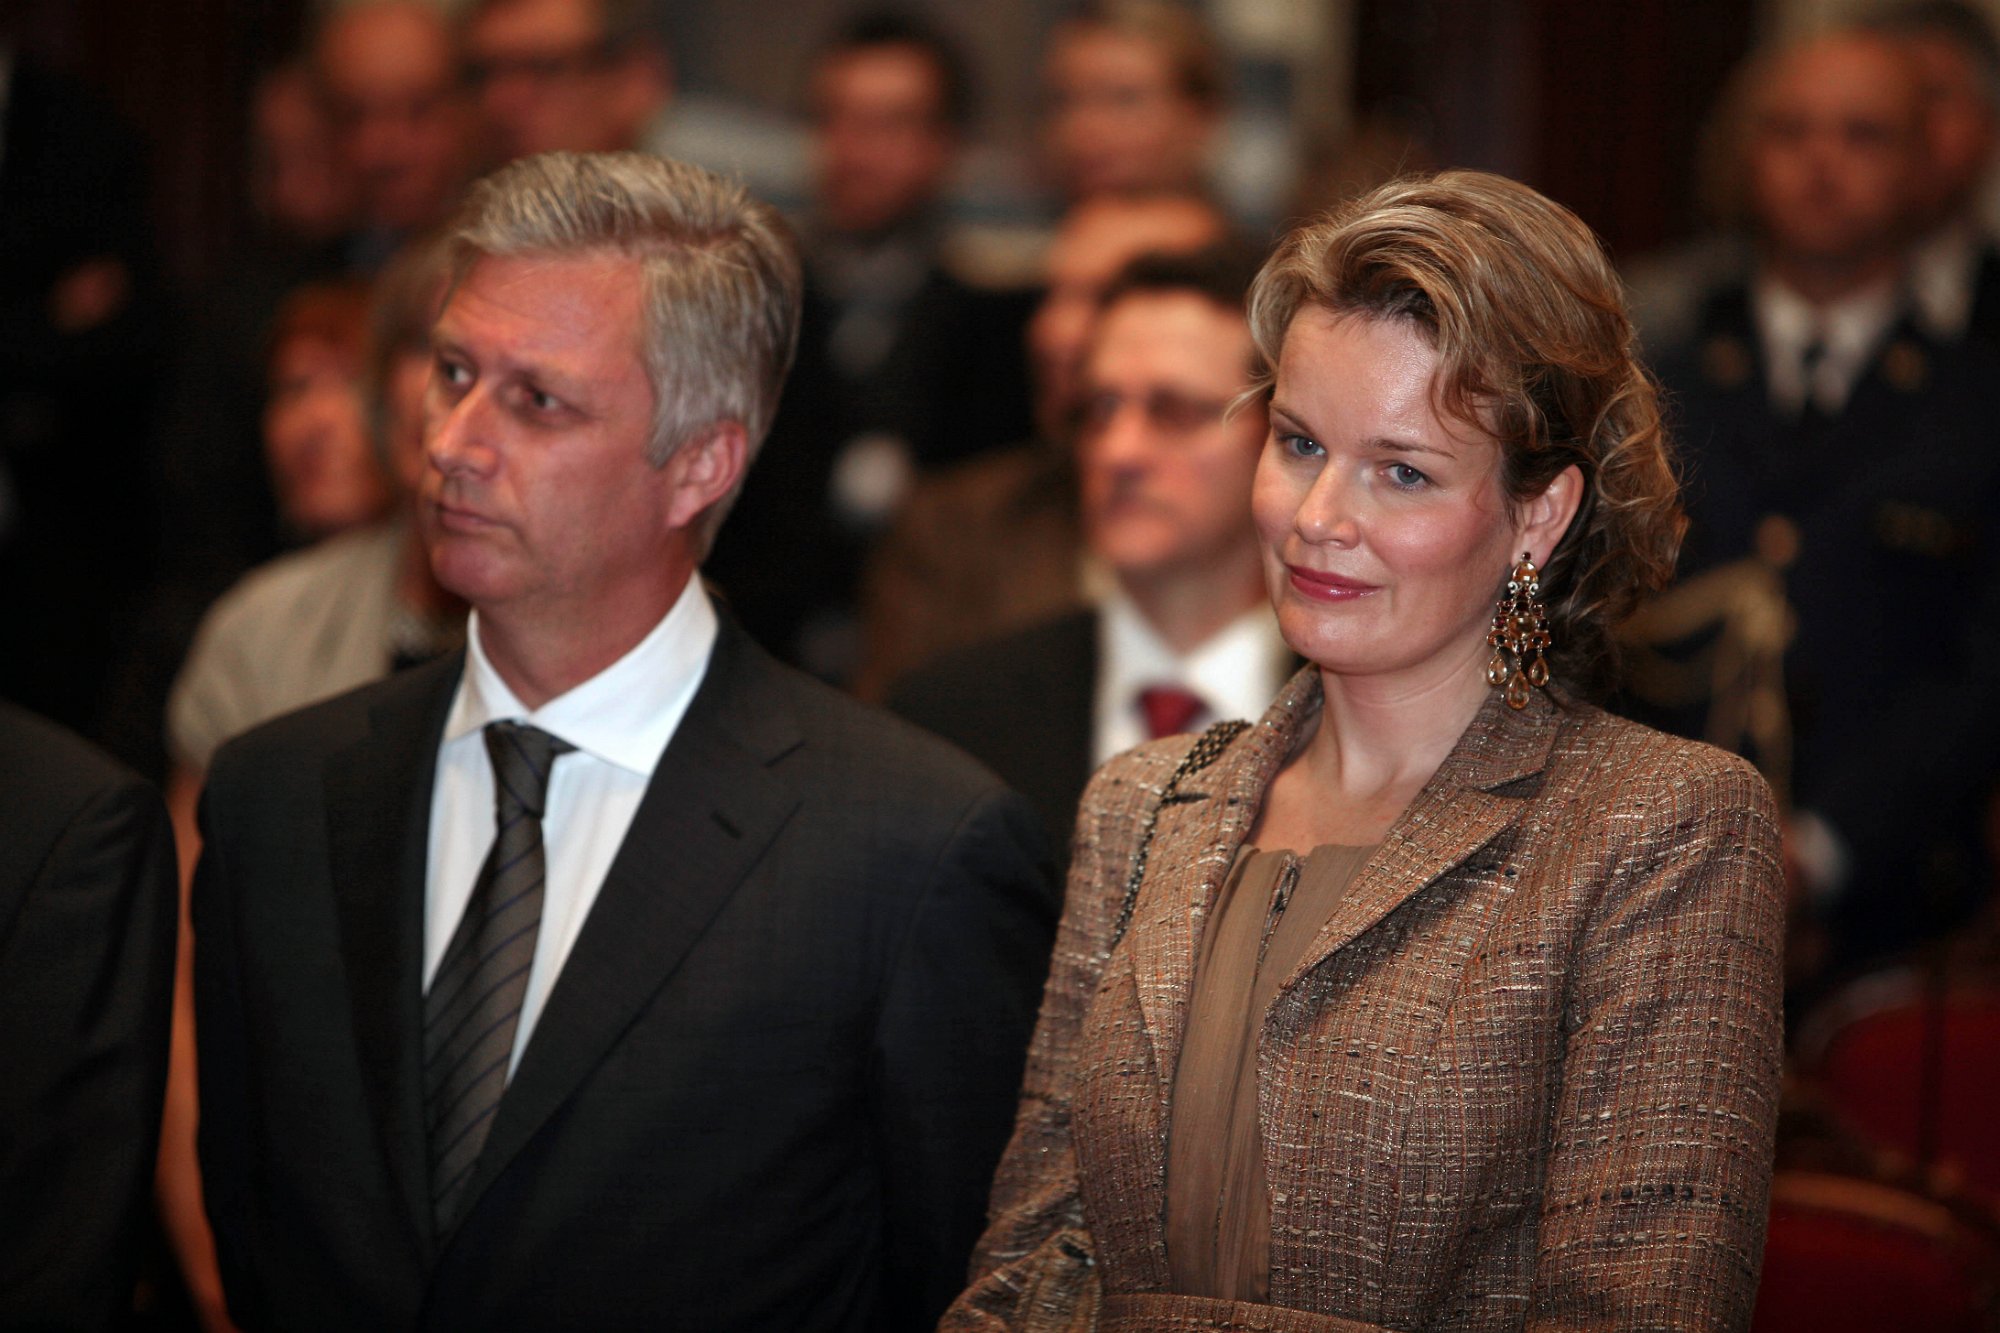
704 470
1547 516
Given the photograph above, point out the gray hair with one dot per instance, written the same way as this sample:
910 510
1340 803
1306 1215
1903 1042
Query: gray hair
723 284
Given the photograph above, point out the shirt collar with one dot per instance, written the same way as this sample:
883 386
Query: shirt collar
1854 323
1848 331
1235 670
626 713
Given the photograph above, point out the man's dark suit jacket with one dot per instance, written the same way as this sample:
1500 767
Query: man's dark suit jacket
88 909
769 1087
1021 703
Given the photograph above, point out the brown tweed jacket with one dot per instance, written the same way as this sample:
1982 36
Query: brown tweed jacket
1526 1078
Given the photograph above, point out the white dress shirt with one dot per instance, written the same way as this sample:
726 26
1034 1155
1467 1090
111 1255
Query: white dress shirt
1849 332
1237 671
620 721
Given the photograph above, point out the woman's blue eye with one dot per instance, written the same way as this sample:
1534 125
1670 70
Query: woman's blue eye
1300 446
1406 476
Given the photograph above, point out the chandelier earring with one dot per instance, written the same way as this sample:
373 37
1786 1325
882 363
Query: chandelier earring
1519 636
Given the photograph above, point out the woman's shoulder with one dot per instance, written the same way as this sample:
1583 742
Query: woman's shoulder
1627 761
1131 781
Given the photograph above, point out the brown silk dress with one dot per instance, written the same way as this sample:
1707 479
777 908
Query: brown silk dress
1218 1200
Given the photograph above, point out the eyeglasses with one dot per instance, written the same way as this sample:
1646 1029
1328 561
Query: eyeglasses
1172 414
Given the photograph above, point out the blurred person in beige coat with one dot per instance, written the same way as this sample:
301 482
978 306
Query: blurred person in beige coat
1438 998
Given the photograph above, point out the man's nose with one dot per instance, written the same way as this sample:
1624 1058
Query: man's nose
457 435
1121 433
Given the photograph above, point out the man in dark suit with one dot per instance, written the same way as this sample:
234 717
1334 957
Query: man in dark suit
610 974
1828 435
1183 633
87 917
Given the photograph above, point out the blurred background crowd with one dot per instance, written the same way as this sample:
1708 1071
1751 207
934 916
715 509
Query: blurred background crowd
218 219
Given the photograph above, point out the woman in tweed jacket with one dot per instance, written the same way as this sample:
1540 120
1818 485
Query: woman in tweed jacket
1524 1073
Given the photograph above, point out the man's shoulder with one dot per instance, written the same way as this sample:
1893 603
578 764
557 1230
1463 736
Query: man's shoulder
869 754
48 771
999 667
68 803
285 742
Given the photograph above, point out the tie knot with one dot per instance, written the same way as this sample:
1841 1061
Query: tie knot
523 757
1170 709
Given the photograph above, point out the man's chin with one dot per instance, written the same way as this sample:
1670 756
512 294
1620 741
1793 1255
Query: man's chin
469 575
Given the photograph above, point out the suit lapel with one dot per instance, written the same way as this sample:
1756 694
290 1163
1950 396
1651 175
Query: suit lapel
1197 840
1457 812
710 812
378 800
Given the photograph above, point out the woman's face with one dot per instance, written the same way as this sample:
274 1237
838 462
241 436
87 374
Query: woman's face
1385 534
324 469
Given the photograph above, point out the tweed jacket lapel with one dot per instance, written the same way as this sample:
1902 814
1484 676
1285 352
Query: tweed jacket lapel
1201 830
1460 810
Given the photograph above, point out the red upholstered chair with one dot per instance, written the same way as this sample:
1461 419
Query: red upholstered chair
1851 1256
1914 1066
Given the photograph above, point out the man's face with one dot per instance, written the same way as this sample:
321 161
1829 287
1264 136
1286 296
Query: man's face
1095 241
1117 122
881 145
1165 478
391 81
546 80
538 497
1835 149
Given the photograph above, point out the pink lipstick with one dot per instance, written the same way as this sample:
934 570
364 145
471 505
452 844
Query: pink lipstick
1324 587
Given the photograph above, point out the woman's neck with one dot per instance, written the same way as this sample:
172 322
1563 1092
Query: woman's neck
1378 740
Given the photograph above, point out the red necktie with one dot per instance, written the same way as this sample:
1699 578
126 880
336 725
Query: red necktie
1170 709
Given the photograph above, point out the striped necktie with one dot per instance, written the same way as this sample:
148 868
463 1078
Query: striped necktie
473 1007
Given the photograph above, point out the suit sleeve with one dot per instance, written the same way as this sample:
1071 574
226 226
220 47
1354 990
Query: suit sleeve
949 1044
86 975
1659 1167
1036 1256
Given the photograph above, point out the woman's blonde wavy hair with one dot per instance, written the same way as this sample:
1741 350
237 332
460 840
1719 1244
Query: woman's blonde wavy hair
1528 321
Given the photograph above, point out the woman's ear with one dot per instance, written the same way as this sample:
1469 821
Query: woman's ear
1547 516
